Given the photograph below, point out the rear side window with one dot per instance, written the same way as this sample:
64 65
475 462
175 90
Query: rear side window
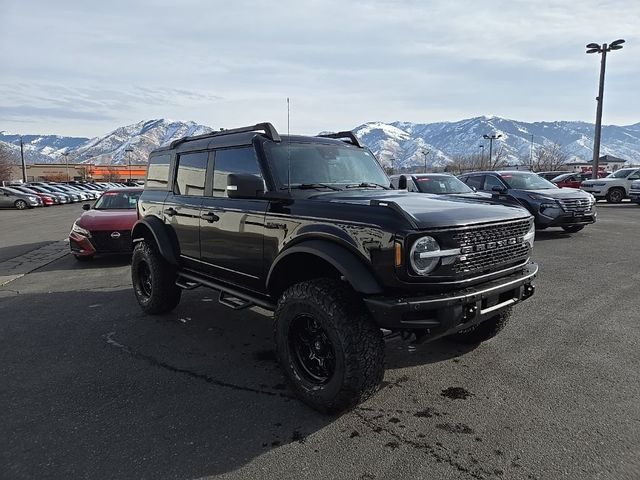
192 169
158 172
233 160
475 181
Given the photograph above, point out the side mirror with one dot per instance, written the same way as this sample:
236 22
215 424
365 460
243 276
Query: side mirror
402 182
86 206
498 189
244 185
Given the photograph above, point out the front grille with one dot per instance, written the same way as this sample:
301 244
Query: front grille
488 247
104 242
577 205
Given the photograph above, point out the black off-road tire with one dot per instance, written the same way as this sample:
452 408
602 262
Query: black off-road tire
573 228
21 205
347 327
615 195
154 280
484 331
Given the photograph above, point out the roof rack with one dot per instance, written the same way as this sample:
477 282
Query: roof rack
269 130
348 137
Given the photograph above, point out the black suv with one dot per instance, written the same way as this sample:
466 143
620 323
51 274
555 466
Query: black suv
568 208
308 227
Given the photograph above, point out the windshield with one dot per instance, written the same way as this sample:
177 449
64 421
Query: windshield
118 201
526 181
329 164
441 184
624 173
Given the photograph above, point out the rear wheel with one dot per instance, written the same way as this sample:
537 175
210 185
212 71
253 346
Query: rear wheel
154 280
483 331
573 228
331 351
20 204
615 195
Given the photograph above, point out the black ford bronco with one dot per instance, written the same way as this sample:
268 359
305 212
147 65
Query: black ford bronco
309 228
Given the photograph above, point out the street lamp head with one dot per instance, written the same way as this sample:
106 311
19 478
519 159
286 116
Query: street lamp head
486 136
594 50
500 135
593 45
617 44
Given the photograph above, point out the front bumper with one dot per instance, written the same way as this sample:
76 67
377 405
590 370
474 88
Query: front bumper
634 196
565 219
80 245
443 314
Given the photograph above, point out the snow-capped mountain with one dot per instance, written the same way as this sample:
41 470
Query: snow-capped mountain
141 138
406 143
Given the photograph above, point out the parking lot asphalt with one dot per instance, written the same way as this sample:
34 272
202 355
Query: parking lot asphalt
92 388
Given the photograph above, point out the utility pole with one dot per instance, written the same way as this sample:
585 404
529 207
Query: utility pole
596 48
425 153
127 152
491 138
531 154
66 163
24 166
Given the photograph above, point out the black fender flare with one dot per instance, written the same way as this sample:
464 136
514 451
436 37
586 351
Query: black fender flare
347 263
155 227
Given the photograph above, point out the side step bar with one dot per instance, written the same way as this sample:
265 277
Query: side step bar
229 296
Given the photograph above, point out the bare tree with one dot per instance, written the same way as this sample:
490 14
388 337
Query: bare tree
7 164
549 157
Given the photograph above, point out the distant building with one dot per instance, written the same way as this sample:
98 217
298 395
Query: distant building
607 163
80 171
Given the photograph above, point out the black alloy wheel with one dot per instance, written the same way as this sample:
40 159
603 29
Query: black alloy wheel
313 352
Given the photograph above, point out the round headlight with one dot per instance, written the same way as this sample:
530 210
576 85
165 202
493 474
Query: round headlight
424 255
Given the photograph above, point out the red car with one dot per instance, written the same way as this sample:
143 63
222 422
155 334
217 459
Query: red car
571 180
106 228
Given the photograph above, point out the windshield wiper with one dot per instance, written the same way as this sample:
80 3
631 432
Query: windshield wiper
367 184
307 186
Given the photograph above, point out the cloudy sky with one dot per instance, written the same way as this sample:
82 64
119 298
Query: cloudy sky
78 67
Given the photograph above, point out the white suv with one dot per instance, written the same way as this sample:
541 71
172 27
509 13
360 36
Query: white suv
634 192
615 187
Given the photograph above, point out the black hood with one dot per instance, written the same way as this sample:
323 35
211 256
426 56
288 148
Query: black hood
431 211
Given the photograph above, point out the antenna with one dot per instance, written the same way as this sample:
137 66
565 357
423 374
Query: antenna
288 151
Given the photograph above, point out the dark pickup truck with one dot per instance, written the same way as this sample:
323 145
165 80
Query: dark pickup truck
309 228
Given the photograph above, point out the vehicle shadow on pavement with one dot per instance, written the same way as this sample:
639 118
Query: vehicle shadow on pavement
544 235
403 354
9 253
192 393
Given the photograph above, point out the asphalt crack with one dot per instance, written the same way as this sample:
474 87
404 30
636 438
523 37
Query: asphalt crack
200 376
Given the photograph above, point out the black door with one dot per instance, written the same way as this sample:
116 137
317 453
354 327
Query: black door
182 206
231 229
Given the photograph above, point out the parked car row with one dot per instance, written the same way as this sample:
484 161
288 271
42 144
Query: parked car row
44 194
568 208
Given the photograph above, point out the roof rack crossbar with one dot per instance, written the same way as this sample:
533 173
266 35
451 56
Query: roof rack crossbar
347 136
269 130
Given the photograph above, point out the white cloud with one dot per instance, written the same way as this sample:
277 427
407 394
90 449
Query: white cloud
84 68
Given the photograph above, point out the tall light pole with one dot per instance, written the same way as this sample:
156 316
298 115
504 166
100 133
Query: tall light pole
66 163
602 49
425 153
127 151
531 154
491 138
24 166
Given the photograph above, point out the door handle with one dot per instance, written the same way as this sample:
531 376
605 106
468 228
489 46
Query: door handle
210 217
170 212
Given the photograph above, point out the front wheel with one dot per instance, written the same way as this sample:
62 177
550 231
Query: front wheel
483 331
154 280
615 195
331 351
20 204
573 228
